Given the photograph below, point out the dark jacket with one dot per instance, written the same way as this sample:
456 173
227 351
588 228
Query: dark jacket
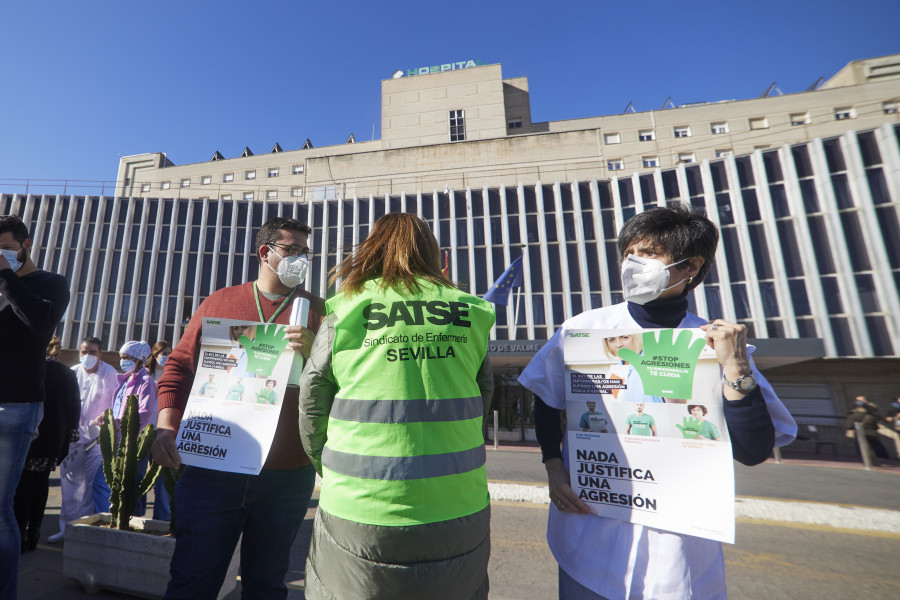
62 410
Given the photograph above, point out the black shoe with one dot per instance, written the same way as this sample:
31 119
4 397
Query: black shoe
32 540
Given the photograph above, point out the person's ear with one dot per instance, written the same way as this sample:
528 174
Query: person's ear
693 265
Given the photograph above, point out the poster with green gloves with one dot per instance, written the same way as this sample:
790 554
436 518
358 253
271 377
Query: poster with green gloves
232 412
644 418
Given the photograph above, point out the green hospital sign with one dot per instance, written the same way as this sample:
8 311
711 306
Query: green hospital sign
463 64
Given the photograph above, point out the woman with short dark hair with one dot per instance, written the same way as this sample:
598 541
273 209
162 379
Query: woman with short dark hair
665 253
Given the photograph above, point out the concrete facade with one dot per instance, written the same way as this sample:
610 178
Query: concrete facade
503 145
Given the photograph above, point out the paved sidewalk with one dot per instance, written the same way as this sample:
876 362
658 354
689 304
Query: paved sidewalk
836 495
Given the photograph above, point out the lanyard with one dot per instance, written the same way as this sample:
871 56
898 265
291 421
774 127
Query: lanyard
277 312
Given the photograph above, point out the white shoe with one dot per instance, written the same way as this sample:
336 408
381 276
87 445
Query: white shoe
57 537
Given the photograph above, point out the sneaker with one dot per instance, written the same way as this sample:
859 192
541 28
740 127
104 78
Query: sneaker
57 537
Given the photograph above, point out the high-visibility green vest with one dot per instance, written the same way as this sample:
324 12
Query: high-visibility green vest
405 444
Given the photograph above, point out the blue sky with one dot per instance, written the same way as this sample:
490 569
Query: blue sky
86 82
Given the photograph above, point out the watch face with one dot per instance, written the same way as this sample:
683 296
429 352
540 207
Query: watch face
747 383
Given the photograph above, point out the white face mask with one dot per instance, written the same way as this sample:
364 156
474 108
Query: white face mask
11 257
645 279
89 361
292 269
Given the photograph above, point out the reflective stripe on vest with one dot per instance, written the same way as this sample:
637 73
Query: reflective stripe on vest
407 411
404 467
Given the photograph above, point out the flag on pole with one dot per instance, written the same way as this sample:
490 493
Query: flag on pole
512 277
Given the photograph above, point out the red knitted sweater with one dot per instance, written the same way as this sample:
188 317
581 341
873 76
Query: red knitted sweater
237 302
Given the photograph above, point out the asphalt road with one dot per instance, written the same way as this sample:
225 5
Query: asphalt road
769 561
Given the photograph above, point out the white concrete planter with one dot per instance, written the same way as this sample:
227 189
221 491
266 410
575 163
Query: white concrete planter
130 562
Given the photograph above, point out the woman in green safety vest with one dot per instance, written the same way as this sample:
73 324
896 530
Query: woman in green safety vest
392 401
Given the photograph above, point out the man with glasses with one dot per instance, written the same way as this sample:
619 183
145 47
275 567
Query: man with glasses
214 508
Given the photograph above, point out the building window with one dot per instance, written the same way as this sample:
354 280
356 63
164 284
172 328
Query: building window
228 177
682 132
891 108
723 153
297 170
226 197
798 119
612 138
841 114
323 192
271 194
272 173
646 135
164 185
248 196
185 183
759 123
145 187
457 125
249 174
650 162
206 180
515 124
296 192
686 157
718 128
615 164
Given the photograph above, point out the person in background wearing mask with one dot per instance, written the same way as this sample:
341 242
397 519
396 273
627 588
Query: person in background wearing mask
155 365
213 508
665 252
97 384
159 354
32 301
134 380
62 408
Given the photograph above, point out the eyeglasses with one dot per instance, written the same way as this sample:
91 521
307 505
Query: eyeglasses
294 250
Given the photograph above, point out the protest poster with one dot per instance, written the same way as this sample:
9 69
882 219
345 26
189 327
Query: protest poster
235 400
646 432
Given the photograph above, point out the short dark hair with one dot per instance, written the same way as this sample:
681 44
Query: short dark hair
693 406
13 224
268 233
93 340
680 229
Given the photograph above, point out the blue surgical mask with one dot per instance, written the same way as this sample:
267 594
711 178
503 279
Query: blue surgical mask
12 257
161 359
126 365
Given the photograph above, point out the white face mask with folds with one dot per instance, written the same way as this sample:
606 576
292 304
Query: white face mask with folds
291 270
645 279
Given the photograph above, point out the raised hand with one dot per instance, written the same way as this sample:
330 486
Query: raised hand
263 352
667 366
690 427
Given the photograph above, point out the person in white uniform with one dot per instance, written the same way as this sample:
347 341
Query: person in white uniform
665 252
97 382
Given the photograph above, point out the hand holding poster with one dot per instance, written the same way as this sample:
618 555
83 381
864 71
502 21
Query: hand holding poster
232 412
647 437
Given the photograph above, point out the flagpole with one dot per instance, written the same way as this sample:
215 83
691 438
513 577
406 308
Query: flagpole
516 317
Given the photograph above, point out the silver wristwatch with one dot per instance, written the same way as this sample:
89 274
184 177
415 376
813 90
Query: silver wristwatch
744 384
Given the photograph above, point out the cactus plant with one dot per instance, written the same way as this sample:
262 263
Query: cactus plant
122 450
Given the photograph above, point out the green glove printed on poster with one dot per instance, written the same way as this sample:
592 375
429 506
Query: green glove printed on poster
263 352
690 427
667 366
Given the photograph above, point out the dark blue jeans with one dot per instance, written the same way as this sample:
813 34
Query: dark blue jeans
18 425
213 509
